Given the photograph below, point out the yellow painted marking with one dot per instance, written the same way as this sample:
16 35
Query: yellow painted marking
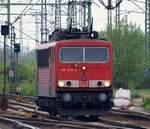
19 98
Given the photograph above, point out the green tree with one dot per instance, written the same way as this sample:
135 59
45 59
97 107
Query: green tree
27 75
128 46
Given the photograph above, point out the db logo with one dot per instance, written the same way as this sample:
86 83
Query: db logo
84 84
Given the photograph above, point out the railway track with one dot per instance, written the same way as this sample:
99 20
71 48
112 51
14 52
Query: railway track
133 114
115 119
26 98
102 123
68 124
131 119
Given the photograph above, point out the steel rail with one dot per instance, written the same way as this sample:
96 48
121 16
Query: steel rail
32 106
15 124
102 123
127 118
13 96
61 123
122 124
133 114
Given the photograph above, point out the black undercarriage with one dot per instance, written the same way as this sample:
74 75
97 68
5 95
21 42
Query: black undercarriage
77 103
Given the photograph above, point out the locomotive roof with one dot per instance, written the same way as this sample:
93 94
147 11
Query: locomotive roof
51 44
46 45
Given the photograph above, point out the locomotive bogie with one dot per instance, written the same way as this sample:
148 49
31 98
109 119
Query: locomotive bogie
76 103
88 102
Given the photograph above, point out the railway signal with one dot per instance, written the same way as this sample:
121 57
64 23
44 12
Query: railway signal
3 99
4 30
16 50
17 47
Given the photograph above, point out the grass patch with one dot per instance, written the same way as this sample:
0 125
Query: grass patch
7 86
28 88
135 95
147 107
142 92
146 103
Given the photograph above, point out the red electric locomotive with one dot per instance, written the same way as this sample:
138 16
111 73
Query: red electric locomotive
74 74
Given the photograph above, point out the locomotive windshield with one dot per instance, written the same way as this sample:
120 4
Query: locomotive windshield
84 54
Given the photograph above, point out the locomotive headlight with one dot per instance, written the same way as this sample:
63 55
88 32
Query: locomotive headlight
107 83
61 83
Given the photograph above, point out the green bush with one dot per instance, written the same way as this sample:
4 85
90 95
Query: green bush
147 107
26 74
28 88
7 88
135 95
27 77
146 103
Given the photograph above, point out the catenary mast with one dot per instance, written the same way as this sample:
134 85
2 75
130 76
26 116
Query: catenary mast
147 26
57 14
44 30
79 14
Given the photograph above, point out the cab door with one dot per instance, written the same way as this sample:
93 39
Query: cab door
52 72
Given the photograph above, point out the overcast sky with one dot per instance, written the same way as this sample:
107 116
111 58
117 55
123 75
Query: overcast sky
99 14
135 16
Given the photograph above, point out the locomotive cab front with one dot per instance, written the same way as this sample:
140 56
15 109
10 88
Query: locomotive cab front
84 77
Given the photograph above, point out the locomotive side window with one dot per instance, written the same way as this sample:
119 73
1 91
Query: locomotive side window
84 54
96 54
42 56
71 54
